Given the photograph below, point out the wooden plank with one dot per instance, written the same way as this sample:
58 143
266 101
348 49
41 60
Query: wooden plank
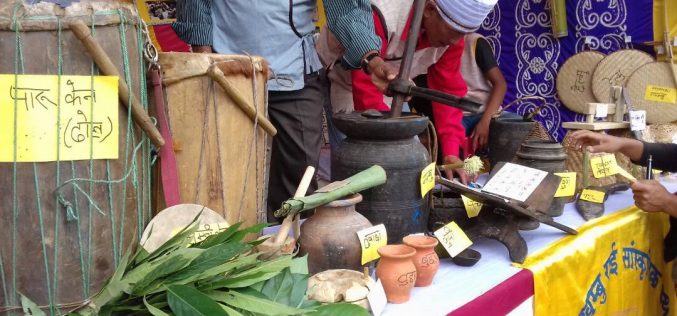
596 126
592 108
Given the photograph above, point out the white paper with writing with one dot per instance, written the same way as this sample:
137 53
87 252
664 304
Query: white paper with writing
637 120
515 181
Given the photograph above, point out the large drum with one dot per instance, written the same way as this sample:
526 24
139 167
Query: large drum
221 157
66 219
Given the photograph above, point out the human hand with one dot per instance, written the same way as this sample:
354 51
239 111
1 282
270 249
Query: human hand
382 73
651 196
462 175
201 49
480 135
596 142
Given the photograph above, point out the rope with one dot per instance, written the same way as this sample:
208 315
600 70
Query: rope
224 195
125 64
57 219
15 202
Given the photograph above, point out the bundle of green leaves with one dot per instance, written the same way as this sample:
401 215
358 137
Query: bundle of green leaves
220 275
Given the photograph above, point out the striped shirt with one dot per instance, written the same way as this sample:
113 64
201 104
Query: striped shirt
349 20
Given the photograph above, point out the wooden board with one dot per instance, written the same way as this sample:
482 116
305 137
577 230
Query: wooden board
596 126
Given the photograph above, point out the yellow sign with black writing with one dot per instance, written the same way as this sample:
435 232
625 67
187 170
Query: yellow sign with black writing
371 239
604 166
49 118
427 179
452 237
567 186
592 196
471 207
660 94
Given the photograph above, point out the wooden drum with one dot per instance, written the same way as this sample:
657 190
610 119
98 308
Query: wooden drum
66 222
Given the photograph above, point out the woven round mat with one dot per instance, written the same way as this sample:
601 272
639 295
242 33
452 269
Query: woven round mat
653 77
574 80
615 69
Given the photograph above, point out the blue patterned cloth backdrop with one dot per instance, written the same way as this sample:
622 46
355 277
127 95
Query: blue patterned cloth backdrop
530 56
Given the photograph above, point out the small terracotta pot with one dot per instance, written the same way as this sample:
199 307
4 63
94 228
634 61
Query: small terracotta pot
397 272
426 260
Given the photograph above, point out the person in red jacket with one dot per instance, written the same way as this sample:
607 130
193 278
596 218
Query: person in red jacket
438 54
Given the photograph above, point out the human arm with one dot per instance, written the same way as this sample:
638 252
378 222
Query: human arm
484 57
651 196
598 142
445 76
367 90
662 156
352 23
194 24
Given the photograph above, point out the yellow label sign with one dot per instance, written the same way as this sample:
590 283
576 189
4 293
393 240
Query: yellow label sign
427 179
604 166
471 207
371 239
203 231
592 196
567 186
50 118
453 239
626 174
660 94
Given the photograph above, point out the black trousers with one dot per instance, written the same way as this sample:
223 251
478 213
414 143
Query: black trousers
297 115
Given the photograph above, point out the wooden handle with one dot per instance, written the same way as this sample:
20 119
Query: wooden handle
217 75
290 220
103 61
300 192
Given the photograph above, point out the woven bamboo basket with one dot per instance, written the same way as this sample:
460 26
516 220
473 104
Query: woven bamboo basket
614 70
654 78
574 80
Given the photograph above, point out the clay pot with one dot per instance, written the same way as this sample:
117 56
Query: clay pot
426 260
330 236
397 272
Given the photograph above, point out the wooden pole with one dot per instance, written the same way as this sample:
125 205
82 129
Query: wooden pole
217 75
103 61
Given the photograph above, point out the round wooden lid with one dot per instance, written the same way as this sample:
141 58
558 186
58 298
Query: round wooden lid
615 69
652 88
574 80
172 219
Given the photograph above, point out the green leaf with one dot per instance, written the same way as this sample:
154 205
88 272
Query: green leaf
218 238
257 242
247 280
287 288
209 259
275 265
169 264
153 310
181 240
187 301
339 309
109 293
255 304
230 311
29 307
249 230
299 265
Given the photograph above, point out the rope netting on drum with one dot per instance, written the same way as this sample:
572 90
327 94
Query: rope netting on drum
74 206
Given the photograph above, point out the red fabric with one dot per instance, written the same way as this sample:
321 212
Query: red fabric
168 40
445 75
501 299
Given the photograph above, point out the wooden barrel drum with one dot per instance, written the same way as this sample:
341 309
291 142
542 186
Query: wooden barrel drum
66 223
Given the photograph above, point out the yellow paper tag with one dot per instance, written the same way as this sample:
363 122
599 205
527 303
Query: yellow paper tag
567 186
427 179
625 174
592 196
79 114
471 207
203 231
660 94
604 166
453 239
371 239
